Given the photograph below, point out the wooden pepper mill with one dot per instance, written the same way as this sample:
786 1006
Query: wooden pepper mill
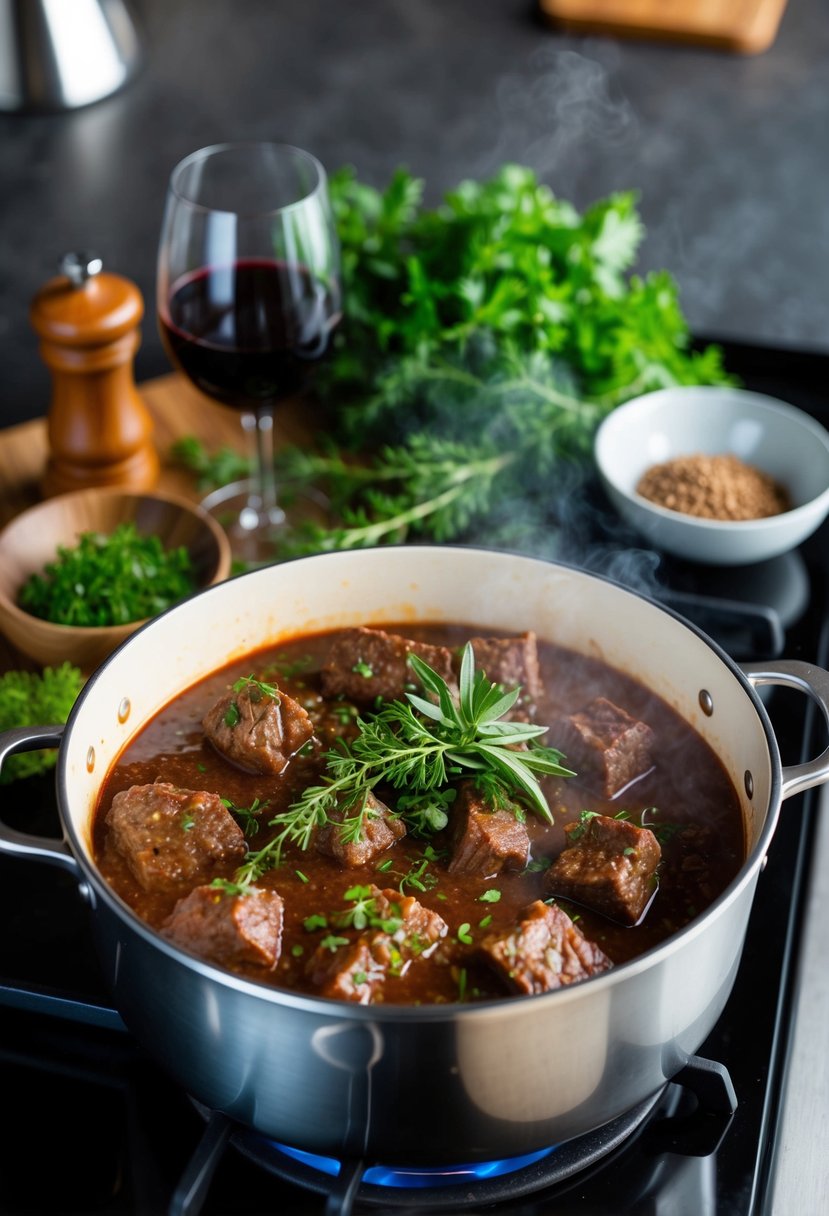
100 431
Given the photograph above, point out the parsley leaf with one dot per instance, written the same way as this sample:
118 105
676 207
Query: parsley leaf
28 698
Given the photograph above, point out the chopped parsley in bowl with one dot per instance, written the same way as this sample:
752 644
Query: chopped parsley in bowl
80 572
110 578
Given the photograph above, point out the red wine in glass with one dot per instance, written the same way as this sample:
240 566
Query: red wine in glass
248 297
248 333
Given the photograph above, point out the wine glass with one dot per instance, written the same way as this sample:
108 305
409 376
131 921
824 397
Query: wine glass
248 299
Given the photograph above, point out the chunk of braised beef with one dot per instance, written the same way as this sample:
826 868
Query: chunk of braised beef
605 745
170 836
228 927
608 865
258 732
512 662
401 931
350 970
364 664
420 928
379 828
486 839
545 950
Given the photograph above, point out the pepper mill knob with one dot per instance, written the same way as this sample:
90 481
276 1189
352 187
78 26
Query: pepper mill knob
99 429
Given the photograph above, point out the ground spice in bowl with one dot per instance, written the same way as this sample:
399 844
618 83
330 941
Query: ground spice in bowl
713 487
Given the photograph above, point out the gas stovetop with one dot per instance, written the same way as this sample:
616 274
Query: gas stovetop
94 1127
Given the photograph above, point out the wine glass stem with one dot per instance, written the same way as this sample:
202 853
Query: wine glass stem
262 505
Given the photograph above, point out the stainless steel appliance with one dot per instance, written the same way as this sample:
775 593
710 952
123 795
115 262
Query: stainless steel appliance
62 54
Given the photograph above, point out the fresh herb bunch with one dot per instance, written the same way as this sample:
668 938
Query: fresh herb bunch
483 341
109 579
501 271
419 747
28 698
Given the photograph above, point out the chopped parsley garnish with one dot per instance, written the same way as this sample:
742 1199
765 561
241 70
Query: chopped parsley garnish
332 942
248 814
365 914
230 888
288 667
257 690
538 865
359 915
418 877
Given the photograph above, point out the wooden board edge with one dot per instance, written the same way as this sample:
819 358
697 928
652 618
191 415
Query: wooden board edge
756 38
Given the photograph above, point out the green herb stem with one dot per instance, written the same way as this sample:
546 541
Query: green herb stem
420 746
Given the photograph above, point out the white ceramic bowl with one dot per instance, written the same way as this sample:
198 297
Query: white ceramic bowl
782 441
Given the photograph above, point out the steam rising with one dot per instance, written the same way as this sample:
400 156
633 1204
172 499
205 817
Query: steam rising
566 105
546 118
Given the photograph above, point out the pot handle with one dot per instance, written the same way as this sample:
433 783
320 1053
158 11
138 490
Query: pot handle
814 681
21 844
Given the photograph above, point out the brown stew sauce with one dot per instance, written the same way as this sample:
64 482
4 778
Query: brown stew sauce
697 820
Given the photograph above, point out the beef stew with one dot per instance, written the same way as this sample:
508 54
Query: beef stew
461 906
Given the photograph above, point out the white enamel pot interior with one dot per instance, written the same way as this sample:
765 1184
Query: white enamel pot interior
497 1079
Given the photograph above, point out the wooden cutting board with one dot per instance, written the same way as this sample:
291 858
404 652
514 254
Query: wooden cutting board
745 26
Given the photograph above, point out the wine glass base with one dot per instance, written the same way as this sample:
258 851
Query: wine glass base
258 539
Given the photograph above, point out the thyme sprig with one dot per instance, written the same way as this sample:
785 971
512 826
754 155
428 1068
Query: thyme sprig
418 746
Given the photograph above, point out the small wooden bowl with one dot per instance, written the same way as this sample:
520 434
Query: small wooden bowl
31 540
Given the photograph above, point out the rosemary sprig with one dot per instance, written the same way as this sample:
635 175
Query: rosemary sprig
419 746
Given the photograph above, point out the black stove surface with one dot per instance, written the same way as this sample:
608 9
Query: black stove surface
92 1126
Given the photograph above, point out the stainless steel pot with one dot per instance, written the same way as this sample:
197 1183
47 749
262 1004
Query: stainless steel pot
473 1082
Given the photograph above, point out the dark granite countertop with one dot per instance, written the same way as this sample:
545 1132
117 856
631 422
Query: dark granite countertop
729 153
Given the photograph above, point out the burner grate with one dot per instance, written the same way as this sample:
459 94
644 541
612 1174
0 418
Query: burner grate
449 1188
689 1116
